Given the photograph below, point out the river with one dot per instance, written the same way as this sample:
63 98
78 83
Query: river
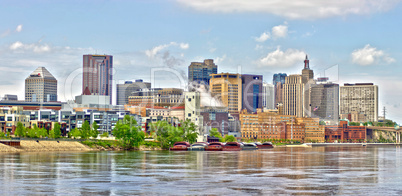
296 170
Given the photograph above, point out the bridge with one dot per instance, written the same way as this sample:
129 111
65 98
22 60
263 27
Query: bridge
397 131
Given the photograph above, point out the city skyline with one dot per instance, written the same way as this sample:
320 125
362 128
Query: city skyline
356 40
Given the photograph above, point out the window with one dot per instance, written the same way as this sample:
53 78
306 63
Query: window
189 114
212 116
9 118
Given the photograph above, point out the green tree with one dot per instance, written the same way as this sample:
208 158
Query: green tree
57 130
75 133
94 130
105 134
167 134
229 138
51 133
85 130
215 133
128 132
20 130
189 131
42 133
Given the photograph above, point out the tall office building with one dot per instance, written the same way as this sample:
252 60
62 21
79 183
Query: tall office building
293 96
268 97
40 86
98 75
252 92
227 88
125 90
200 72
278 81
361 98
323 102
294 93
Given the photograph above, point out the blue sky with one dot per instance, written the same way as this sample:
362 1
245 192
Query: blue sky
353 40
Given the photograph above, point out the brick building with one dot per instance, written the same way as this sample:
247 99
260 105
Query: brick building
344 132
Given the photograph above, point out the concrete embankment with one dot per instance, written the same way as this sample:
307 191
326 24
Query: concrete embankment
44 146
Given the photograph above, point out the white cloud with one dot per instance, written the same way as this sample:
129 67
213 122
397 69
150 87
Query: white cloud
19 28
212 50
263 37
258 47
35 47
369 55
282 58
152 52
280 31
294 9
184 46
220 59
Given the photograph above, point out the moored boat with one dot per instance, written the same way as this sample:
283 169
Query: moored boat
199 146
232 146
249 146
266 145
180 146
214 146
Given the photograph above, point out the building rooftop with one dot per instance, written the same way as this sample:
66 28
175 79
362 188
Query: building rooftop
41 72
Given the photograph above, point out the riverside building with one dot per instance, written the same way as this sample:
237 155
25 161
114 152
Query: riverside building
271 126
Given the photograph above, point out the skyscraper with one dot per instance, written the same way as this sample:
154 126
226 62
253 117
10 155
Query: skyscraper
361 98
40 86
278 81
293 96
323 102
268 96
227 88
98 74
295 91
200 72
125 90
252 92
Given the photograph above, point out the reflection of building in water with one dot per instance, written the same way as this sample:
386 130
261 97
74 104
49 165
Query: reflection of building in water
250 160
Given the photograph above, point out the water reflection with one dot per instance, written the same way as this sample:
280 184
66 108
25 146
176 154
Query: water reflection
298 171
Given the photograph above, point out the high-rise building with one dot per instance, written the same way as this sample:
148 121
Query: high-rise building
98 75
323 102
40 86
293 95
295 91
252 92
125 90
279 77
200 72
227 88
278 81
268 97
361 98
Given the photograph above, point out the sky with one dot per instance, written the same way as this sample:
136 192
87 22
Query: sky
348 41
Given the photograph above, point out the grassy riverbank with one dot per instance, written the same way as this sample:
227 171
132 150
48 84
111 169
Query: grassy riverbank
117 145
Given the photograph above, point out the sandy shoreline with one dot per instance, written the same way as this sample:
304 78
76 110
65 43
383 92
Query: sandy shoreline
45 146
